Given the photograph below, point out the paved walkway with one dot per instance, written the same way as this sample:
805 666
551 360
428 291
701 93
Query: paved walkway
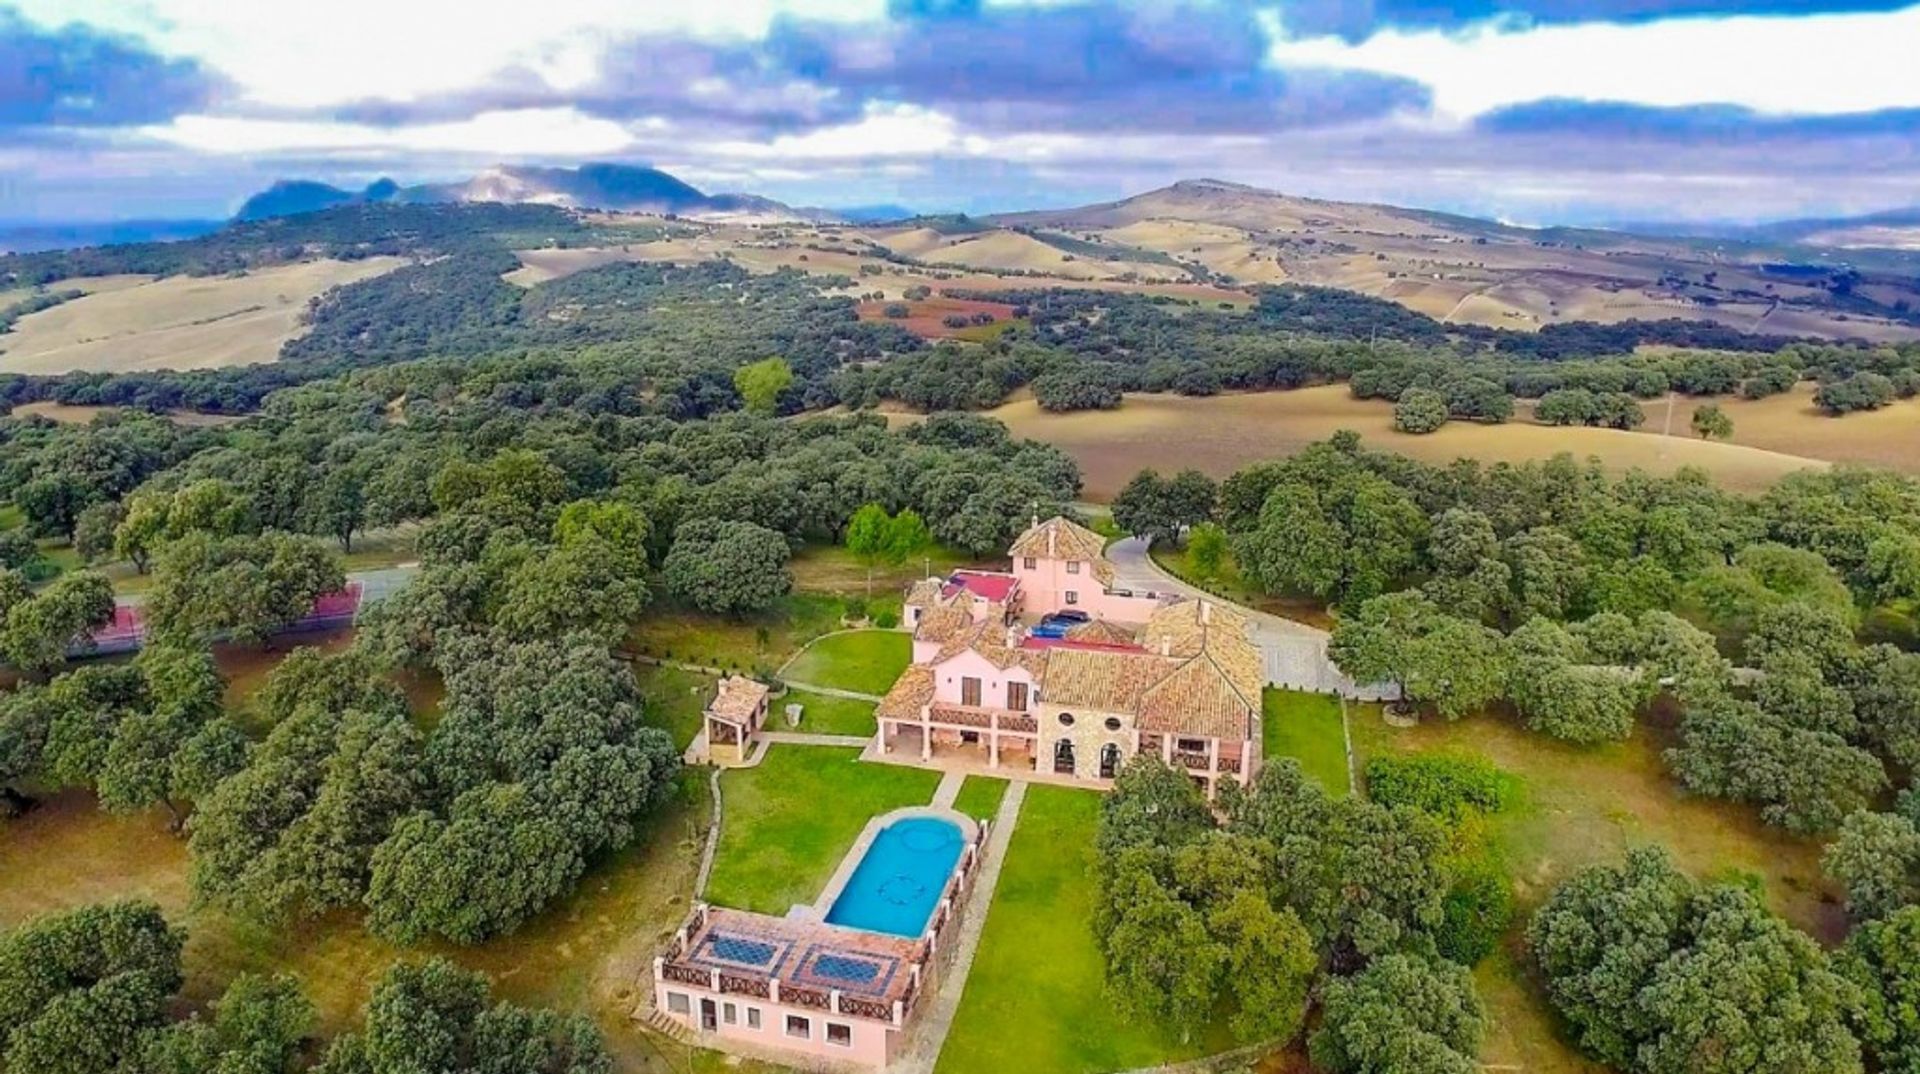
1294 655
929 1033
948 790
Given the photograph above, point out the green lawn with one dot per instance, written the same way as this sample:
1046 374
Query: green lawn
674 699
789 820
1036 998
1306 727
824 715
865 661
980 797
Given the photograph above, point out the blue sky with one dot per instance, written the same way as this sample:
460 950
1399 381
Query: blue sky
1535 111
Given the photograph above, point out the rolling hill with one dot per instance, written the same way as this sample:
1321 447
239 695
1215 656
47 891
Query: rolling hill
614 187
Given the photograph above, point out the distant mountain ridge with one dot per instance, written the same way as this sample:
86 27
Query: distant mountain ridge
614 187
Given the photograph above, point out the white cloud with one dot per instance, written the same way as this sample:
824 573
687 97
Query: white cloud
306 55
884 131
1815 65
545 132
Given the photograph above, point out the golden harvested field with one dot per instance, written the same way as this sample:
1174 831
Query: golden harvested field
75 414
1221 434
180 322
1790 423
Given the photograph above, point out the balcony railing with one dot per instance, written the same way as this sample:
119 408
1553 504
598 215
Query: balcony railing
866 1008
1230 764
737 984
979 716
1190 760
813 998
690 975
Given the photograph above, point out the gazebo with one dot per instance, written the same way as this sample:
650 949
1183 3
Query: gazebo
736 713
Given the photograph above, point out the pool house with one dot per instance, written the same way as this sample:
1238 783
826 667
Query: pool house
837 982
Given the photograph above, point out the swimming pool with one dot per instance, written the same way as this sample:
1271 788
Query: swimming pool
900 878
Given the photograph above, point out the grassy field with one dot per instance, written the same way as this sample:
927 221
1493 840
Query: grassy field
675 699
829 568
1224 433
980 797
1036 997
1581 806
864 661
1306 727
758 642
791 818
822 714
179 322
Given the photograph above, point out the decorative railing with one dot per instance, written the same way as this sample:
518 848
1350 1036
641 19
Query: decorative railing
737 984
724 734
800 996
866 1008
978 716
1230 764
685 974
1189 759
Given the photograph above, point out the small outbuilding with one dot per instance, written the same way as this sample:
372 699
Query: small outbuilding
736 714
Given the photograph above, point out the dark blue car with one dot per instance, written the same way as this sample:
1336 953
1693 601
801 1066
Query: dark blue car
1057 624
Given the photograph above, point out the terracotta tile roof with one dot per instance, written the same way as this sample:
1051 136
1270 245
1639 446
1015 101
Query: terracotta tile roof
925 593
912 690
1183 628
737 699
1103 632
1216 688
1099 679
1059 538
942 622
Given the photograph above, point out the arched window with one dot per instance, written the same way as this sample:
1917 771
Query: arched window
1063 757
1109 760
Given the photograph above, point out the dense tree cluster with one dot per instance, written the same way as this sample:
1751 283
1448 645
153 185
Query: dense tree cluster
1164 508
95 991
1658 974
1197 914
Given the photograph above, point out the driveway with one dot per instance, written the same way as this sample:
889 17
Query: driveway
1294 654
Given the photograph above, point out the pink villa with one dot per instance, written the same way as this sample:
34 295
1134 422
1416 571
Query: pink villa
1179 678
838 983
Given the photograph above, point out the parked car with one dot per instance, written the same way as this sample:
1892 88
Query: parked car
1057 624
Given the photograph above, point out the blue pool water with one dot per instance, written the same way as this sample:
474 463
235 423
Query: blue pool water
898 882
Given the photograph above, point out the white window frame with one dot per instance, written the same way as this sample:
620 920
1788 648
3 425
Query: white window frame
730 1013
846 1029
679 1003
806 1027
753 1018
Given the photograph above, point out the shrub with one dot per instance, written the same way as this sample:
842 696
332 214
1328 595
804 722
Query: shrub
1420 410
1443 785
897 310
886 619
1476 912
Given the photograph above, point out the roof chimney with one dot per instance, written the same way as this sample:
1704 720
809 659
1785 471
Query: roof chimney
1166 645
1053 534
1206 612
